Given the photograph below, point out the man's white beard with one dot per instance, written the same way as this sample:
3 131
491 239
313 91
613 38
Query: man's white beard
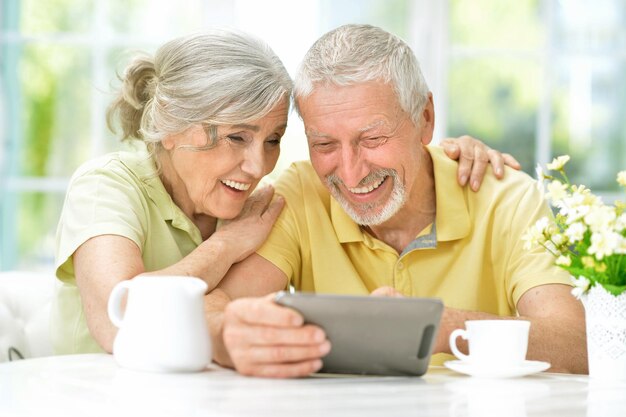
367 214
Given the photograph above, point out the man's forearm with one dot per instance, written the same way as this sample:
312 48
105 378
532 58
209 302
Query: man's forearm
452 319
562 342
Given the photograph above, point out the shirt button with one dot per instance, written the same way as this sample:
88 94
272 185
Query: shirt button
400 265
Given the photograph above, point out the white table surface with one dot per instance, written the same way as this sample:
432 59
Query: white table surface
94 385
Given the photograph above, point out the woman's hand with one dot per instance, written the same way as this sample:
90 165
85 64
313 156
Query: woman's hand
474 156
246 233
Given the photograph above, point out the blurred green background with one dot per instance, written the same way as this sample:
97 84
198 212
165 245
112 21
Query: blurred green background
536 78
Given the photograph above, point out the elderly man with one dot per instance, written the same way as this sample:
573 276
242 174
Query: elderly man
377 210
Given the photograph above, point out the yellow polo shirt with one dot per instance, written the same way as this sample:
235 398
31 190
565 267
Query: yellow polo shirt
472 259
117 194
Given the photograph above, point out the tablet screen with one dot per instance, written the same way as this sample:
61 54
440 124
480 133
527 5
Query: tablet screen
372 335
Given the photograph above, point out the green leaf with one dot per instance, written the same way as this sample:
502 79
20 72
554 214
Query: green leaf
614 289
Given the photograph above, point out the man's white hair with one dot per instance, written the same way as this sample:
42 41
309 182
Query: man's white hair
353 54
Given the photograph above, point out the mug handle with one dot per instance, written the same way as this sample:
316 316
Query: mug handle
114 307
455 350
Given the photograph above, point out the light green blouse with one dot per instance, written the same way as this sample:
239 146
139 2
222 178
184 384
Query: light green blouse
117 194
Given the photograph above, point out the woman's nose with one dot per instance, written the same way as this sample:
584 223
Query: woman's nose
254 162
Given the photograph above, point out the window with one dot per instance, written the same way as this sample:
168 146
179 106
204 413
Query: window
535 78
542 78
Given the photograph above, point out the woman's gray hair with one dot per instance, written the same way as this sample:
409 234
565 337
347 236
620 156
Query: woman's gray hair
215 78
353 54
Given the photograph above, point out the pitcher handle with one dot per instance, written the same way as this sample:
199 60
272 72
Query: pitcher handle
455 350
114 307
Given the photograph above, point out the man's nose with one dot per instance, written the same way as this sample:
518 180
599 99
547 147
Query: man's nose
352 169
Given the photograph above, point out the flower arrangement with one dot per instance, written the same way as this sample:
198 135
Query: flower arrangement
586 236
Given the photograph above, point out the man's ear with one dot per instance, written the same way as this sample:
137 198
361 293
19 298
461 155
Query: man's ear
428 120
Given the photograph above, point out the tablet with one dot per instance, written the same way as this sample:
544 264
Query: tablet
371 335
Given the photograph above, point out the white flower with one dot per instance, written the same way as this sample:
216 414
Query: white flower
577 204
556 190
604 243
563 260
558 163
584 231
558 239
581 195
620 222
575 232
581 285
600 218
573 213
621 244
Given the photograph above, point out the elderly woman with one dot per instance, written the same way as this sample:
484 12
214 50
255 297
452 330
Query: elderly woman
210 111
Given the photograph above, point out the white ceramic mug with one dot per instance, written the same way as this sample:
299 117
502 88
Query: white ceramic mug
500 343
163 327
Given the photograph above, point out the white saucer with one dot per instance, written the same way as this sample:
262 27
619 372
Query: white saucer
525 368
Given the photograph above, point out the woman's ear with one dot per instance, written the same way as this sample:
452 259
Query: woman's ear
195 136
169 142
199 136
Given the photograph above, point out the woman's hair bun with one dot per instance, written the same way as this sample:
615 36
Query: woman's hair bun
138 88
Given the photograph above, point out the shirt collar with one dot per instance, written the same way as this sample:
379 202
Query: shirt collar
345 228
453 219
144 167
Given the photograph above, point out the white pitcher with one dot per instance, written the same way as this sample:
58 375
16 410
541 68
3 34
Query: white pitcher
163 327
